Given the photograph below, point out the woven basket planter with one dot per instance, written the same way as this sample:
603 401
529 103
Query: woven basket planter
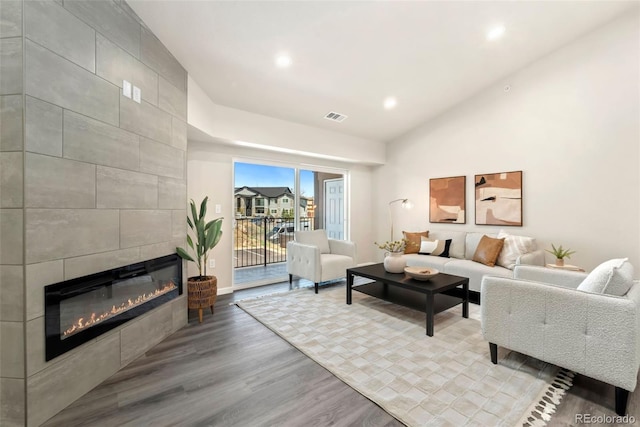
202 293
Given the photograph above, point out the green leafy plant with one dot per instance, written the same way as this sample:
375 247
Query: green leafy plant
207 235
395 246
560 252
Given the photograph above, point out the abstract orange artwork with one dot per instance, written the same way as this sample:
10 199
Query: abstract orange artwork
499 198
447 200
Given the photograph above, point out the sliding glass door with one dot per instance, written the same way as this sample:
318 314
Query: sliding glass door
271 203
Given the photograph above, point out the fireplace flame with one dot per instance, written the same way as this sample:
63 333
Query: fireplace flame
95 318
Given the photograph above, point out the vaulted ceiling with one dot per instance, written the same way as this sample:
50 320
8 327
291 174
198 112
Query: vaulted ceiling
349 56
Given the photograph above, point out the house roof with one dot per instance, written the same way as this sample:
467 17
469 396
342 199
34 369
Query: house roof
270 192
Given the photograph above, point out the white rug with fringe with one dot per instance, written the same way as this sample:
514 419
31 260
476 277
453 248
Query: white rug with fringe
381 350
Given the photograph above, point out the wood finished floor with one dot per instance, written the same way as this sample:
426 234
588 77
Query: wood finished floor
232 371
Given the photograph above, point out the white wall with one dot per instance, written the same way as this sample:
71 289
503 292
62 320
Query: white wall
209 173
234 126
570 122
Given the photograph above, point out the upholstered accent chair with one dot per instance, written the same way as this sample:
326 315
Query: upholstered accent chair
589 324
313 256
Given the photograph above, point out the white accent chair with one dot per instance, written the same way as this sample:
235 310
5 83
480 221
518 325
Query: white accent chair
560 317
315 257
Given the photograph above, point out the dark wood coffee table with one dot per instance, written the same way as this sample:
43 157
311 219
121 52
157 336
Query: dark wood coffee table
435 295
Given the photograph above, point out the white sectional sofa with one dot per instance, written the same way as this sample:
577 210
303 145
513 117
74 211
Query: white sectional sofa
463 246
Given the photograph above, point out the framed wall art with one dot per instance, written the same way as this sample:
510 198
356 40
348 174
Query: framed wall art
447 200
499 198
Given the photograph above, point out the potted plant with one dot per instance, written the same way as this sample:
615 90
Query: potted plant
393 260
560 253
202 289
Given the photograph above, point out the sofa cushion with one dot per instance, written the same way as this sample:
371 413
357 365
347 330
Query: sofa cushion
613 277
417 260
316 238
472 240
413 241
488 250
456 250
435 247
474 271
514 247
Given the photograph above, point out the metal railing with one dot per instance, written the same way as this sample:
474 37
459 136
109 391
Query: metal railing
263 240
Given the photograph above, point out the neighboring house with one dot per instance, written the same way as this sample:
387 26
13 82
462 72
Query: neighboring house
267 201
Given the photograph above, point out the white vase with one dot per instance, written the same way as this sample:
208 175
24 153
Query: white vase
394 262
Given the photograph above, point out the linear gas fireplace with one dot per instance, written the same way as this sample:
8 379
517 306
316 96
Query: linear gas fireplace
81 309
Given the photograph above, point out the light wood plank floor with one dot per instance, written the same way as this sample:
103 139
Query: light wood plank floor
232 371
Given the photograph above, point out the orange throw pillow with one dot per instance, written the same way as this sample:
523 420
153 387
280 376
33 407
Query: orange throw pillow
413 241
488 250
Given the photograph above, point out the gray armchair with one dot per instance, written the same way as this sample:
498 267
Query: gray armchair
315 257
545 314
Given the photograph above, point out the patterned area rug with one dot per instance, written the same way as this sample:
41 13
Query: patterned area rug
381 350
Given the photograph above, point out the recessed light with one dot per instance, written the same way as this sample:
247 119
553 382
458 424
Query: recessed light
390 103
496 32
283 61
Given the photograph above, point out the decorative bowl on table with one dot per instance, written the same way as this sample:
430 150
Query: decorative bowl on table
420 273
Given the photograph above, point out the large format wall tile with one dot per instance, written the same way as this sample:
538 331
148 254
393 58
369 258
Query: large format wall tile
12 402
10 66
52 182
90 264
11 244
37 277
36 359
179 306
161 159
11 119
61 82
145 119
11 292
172 193
179 133
92 141
156 250
64 233
11 20
11 180
109 19
43 128
60 383
179 224
11 349
144 227
172 100
116 64
53 27
146 332
154 54
117 188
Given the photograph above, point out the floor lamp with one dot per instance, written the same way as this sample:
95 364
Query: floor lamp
406 204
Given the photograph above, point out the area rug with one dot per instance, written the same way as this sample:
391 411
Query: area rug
381 350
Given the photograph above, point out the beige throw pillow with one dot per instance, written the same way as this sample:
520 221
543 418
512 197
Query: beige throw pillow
514 247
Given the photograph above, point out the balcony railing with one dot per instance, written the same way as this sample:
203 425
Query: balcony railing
263 240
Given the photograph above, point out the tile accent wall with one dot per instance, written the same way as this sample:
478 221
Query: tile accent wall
91 180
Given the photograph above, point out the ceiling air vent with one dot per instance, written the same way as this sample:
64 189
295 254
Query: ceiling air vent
336 117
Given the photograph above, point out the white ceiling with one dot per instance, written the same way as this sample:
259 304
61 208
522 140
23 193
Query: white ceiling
349 55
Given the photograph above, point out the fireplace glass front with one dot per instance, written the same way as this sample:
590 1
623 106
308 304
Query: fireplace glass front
81 309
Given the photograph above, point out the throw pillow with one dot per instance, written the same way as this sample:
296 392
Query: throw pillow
514 247
488 250
413 241
314 238
435 247
613 277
